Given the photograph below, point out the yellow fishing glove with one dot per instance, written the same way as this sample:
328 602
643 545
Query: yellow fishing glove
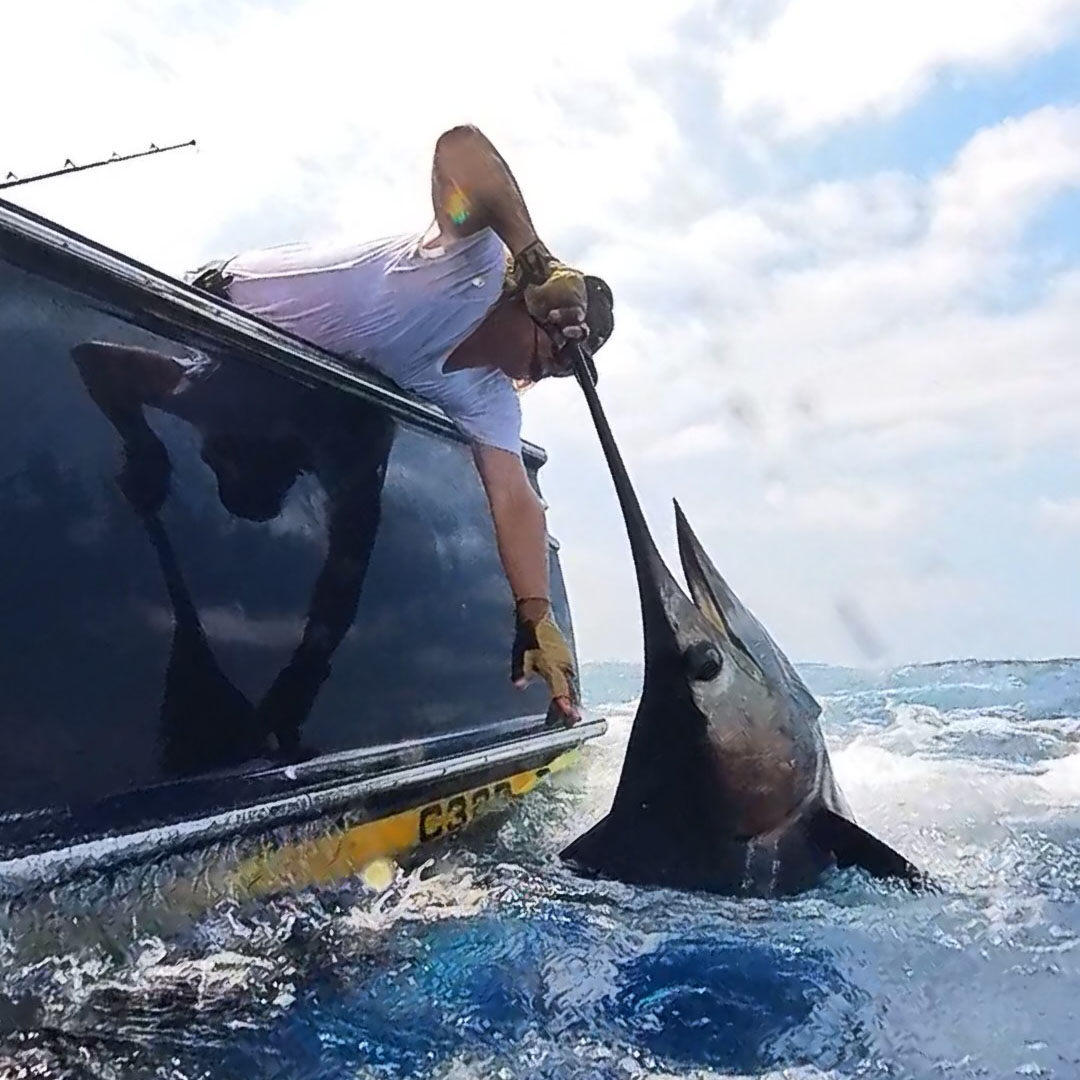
554 293
540 649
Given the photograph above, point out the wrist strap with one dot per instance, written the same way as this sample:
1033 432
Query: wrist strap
519 604
532 264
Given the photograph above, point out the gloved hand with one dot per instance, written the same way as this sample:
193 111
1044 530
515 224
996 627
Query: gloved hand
560 303
541 649
287 704
554 294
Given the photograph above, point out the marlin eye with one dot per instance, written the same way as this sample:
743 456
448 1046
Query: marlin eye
703 661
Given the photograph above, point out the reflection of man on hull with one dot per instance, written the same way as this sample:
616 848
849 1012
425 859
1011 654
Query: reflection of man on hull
727 784
258 438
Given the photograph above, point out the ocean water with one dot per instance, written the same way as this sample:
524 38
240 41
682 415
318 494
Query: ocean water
491 959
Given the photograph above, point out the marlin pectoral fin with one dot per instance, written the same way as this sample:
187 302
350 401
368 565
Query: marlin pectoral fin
590 851
854 846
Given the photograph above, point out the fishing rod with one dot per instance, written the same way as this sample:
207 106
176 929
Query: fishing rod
11 180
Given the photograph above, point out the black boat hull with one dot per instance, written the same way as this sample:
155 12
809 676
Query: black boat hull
235 570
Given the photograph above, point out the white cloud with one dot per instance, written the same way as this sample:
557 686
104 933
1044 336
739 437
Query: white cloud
844 217
862 328
1061 514
321 113
845 508
822 62
1004 174
869 306
692 441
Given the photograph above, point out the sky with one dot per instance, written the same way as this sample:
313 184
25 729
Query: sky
843 238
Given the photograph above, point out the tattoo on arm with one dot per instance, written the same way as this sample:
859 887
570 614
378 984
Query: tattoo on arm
473 188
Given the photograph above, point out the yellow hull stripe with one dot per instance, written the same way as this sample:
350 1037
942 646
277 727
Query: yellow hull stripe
365 849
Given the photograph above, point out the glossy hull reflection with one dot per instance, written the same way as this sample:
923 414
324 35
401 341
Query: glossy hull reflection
240 577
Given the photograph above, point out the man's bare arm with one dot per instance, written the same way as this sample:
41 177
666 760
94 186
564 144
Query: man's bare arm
520 525
473 188
521 534
123 378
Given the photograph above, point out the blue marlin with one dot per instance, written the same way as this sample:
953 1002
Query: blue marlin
727 784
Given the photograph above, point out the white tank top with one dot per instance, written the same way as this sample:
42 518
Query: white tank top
400 303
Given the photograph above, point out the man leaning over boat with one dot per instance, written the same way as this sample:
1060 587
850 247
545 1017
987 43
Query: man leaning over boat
465 315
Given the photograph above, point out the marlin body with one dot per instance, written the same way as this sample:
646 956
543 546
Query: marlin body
726 785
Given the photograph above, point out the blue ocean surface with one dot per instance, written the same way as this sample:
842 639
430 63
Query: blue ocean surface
491 959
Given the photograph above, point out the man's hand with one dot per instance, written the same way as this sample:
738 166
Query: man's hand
541 649
288 703
559 303
554 294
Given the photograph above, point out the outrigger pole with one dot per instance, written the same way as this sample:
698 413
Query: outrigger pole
11 180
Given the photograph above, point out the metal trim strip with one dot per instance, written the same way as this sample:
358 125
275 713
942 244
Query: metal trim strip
50 866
